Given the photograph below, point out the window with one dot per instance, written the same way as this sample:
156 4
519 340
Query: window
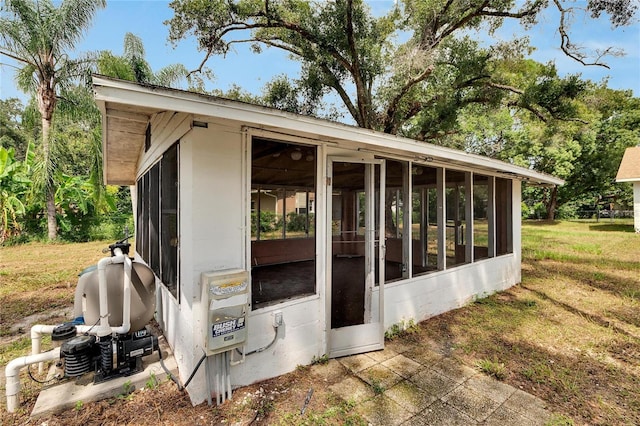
457 226
476 211
283 240
396 220
504 216
157 210
424 219
480 217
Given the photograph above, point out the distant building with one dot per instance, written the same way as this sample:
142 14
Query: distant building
629 171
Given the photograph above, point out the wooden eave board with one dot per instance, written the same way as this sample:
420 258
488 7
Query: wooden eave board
629 170
123 140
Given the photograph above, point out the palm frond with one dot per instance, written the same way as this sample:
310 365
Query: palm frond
171 75
73 20
133 46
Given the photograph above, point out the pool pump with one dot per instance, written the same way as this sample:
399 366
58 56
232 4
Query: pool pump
107 356
114 302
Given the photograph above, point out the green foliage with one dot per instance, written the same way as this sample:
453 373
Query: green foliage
414 84
559 420
269 221
400 329
493 368
377 387
324 359
12 134
14 187
152 382
297 222
133 66
127 391
39 35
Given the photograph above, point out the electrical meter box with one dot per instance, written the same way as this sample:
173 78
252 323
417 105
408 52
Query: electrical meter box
225 294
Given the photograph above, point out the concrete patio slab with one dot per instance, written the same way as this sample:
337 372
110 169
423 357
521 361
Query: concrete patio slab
504 416
434 383
331 372
473 404
379 376
441 413
529 406
403 366
424 356
357 363
382 355
384 411
67 394
410 397
420 386
352 389
490 388
454 370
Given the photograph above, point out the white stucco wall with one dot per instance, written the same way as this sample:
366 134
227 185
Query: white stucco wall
214 204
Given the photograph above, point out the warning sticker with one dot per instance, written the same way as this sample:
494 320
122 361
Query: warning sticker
226 327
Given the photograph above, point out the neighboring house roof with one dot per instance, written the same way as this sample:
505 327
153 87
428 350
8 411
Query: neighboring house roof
629 170
129 108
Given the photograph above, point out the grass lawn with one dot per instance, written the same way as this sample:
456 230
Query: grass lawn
569 334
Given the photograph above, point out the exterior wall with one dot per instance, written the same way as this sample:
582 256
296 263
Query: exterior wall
214 209
432 294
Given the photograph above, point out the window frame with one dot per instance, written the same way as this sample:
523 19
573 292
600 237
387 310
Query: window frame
150 232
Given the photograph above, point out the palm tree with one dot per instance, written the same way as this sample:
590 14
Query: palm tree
39 36
133 66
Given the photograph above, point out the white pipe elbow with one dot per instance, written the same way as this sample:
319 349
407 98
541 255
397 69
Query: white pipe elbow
12 374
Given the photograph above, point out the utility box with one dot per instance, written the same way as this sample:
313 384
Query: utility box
225 294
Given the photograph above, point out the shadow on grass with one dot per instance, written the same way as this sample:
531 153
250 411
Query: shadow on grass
595 319
589 386
541 222
614 285
611 227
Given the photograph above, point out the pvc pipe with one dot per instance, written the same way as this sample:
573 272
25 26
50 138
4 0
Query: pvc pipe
102 285
126 299
36 340
12 374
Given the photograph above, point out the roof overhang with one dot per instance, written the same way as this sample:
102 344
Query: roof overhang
127 109
629 170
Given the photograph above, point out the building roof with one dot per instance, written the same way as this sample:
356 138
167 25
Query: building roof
129 108
629 170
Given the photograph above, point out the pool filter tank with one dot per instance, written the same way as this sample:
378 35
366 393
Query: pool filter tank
110 354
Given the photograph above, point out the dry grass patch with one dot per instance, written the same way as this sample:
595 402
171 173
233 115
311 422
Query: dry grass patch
570 334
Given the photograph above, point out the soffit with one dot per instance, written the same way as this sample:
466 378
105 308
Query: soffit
123 141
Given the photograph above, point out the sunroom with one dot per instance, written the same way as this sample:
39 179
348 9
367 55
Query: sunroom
332 233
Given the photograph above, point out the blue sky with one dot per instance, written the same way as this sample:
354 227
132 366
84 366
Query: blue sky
145 18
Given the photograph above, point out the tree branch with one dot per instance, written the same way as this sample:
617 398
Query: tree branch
565 43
